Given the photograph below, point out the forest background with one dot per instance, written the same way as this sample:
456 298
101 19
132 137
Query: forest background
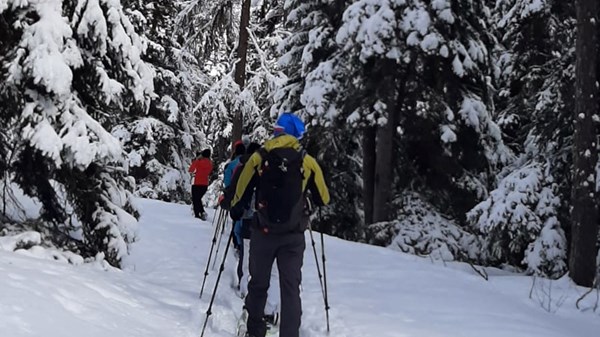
461 129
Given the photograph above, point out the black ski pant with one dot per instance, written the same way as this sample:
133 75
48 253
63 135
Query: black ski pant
246 224
240 266
288 249
198 192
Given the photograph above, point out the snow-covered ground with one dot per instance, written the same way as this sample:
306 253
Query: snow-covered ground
373 292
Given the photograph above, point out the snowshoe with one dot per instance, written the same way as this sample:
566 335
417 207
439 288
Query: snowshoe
241 324
272 322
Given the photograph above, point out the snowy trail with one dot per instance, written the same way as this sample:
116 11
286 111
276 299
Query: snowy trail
374 292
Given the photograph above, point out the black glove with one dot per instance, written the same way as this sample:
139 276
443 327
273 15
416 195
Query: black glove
225 203
236 212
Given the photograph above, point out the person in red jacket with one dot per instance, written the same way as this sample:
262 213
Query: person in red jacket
201 167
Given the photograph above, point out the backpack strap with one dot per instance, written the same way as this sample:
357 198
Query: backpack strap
263 153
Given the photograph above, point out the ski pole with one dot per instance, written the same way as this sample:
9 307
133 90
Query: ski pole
220 238
212 246
324 274
312 239
212 299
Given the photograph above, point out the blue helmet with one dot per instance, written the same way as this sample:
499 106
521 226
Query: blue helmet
290 124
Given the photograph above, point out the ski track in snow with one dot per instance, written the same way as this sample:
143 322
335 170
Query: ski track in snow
373 292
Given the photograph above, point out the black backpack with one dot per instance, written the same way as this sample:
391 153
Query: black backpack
279 200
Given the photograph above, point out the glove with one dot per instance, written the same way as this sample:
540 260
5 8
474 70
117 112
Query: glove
224 202
236 212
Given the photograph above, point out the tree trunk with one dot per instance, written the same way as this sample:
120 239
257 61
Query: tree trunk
369 157
240 67
382 196
584 214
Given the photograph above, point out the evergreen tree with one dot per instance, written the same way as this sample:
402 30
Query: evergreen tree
416 72
412 67
224 96
162 141
308 60
208 30
450 142
535 78
519 222
70 68
535 72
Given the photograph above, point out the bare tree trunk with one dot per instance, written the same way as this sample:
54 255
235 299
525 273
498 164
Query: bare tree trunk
369 158
382 196
240 67
584 214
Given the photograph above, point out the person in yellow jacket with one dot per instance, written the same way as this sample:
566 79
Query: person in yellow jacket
282 174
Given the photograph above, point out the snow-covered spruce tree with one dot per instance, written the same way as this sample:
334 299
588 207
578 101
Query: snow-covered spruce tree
311 41
535 75
161 142
525 32
266 32
536 79
420 229
448 143
455 158
69 71
519 224
8 44
208 30
307 54
223 96
255 99
337 150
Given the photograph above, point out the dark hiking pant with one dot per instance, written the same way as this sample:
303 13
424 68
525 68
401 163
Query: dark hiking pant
288 249
240 266
198 192
245 234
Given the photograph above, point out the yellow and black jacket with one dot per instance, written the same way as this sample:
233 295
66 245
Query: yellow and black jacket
313 179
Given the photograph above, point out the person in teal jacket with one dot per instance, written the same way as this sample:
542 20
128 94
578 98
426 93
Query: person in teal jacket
238 151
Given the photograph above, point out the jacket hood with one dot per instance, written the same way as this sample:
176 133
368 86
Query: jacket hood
281 142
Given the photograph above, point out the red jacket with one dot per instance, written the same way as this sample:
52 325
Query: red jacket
201 169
